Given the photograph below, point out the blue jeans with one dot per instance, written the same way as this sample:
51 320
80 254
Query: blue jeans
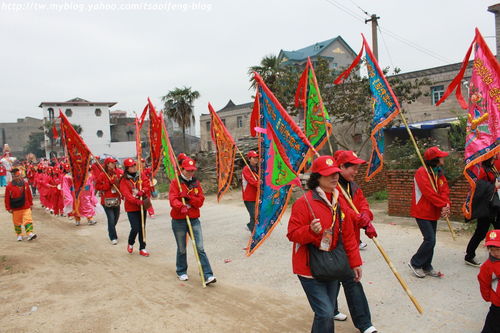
357 303
113 214
423 257
3 181
322 296
136 228
250 205
180 229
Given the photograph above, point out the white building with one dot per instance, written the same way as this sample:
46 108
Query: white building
93 118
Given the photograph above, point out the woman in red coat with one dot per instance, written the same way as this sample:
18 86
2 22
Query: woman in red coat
108 184
427 205
306 227
135 194
250 181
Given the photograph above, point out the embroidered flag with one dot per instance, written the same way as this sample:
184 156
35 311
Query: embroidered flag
316 119
168 154
78 154
384 103
268 113
225 152
482 139
155 134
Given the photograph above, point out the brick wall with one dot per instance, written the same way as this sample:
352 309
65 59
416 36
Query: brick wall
400 187
376 184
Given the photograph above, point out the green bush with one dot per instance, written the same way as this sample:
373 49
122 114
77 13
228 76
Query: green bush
379 196
162 188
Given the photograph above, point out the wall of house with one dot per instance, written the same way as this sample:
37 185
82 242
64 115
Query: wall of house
16 135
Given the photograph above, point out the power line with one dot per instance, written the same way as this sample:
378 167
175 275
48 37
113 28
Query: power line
345 10
364 11
386 48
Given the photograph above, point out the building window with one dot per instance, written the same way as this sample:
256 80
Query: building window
239 121
68 112
208 126
436 93
51 113
99 134
130 134
98 112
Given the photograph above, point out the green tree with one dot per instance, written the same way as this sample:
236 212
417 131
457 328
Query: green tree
34 144
179 107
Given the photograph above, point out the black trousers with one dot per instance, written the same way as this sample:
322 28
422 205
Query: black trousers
492 324
113 214
136 228
483 224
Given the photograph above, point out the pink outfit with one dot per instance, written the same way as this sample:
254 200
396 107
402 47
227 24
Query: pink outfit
68 194
88 200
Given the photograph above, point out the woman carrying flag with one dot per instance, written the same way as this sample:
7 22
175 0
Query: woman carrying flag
249 185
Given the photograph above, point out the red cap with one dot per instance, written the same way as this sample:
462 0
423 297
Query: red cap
434 152
128 162
337 154
109 160
188 164
181 156
493 238
324 165
252 153
348 156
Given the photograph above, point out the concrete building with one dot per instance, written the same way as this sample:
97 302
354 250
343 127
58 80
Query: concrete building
16 134
94 120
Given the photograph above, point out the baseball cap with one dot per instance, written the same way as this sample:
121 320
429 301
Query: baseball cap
252 153
188 164
434 152
324 165
128 162
493 238
348 156
110 160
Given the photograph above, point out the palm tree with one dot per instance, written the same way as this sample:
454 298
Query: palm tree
179 107
269 69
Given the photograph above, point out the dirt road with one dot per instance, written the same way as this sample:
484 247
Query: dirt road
71 279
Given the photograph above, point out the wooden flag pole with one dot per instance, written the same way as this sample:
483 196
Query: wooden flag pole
245 161
107 176
387 259
425 167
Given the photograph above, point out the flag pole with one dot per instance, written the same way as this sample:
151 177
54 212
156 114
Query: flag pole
139 170
246 163
107 175
387 259
425 167
188 220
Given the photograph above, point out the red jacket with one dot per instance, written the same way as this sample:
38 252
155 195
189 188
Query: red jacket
15 192
128 186
105 184
3 171
300 233
196 198
488 281
426 204
249 184
362 205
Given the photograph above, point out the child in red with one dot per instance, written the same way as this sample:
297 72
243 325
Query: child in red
488 282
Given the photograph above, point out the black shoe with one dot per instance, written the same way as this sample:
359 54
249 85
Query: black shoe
472 262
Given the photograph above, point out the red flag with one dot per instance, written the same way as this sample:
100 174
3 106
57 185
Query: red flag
226 152
78 154
55 135
138 143
155 133
143 115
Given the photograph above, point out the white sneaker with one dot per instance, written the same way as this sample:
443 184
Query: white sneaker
211 279
183 277
362 245
92 222
340 317
31 236
370 329
114 241
19 238
77 223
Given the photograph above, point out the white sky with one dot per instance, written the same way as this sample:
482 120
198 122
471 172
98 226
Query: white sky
105 51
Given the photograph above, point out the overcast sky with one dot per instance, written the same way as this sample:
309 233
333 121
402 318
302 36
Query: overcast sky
108 51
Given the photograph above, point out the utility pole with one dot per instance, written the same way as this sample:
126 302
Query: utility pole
374 21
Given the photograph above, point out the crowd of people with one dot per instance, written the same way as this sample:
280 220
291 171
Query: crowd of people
325 223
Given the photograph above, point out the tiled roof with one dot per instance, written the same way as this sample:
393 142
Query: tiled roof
312 50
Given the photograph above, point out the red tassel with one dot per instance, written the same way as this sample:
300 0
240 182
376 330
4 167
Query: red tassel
346 73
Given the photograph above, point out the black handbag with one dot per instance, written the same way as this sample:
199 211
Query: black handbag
18 202
330 265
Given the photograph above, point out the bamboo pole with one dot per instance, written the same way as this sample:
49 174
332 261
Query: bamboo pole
139 170
245 161
387 259
425 167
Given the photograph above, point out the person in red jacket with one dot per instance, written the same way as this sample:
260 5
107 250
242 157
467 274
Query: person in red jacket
349 163
135 190
186 201
427 205
3 175
18 202
310 220
108 184
486 178
489 285
249 183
